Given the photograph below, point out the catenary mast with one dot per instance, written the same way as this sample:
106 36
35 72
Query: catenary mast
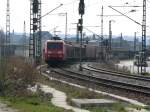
35 52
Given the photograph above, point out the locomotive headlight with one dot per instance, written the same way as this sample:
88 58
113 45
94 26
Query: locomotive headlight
59 52
49 52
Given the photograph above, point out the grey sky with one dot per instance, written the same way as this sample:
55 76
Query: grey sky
20 12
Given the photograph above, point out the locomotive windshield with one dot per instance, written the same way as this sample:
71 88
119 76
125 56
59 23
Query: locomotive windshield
54 45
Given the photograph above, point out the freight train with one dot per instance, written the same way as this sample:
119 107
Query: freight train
59 51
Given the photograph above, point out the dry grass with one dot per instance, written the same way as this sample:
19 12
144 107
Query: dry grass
17 76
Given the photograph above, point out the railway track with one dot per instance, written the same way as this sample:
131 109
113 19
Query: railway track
100 81
119 74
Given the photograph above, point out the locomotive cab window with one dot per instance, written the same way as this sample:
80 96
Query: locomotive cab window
54 45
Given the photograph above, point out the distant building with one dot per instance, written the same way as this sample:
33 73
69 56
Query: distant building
20 45
117 43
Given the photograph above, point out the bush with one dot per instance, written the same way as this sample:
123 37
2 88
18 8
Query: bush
18 77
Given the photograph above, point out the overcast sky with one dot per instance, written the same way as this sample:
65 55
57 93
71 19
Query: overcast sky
20 11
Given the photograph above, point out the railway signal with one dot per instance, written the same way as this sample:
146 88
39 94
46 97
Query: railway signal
80 28
81 7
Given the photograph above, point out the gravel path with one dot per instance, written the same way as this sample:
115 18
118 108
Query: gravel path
59 98
5 108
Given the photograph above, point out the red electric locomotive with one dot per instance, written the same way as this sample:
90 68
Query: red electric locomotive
54 51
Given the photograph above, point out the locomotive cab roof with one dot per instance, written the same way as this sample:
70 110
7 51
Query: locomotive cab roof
56 38
55 41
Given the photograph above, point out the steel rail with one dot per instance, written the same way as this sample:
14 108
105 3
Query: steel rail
104 82
119 74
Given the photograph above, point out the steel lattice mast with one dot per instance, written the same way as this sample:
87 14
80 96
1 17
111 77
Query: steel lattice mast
7 40
143 57
35 52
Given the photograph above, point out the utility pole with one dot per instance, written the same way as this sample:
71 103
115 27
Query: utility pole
77 35
80 28
66 26
135 42
102 53
55 31
24 39
143 56
110 34
121 41
102 21
110 38
135 50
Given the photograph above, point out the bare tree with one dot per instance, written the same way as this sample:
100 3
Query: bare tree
2 36
19 76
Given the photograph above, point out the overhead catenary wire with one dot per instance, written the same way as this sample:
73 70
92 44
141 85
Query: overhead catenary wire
125 15
128 6
51 11
73 4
